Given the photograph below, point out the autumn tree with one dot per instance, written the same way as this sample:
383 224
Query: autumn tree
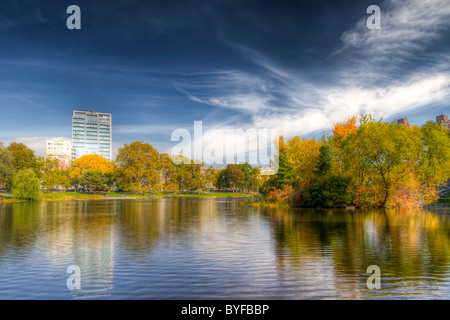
342 133
231 177
389 153
167 170
211 175
251 174
138 167
189 176
304 154
90 162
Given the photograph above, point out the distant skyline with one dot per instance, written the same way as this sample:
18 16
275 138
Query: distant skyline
157 66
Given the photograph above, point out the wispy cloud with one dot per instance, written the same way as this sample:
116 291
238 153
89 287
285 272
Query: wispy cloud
375 71
406 26
229 89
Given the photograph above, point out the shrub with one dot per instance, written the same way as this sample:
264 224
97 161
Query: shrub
284 196
328 191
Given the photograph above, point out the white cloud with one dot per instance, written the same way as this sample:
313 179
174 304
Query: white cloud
338 103
370 75
406 25
37 144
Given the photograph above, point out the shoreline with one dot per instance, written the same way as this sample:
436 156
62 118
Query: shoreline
72 196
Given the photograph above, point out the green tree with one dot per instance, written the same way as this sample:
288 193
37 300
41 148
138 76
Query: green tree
231 177
24 158
56 178
325 162
6 167
94 180
251 180
26 186
285 174
328 191
434 159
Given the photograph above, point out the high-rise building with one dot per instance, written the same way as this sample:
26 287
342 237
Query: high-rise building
91 134
443 119
60 149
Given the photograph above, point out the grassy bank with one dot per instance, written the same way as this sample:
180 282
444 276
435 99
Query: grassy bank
64 196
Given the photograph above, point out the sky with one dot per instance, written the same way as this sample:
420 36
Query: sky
158 66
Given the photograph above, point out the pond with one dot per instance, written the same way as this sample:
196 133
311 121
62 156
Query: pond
219 249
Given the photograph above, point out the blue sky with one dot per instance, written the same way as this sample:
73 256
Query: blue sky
161 65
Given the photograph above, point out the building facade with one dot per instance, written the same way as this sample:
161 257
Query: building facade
443 119
60 149
405 122
91 134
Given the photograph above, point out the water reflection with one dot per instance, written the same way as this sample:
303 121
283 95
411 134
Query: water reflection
213 249
410 247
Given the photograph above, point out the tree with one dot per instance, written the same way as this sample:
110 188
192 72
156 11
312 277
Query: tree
138 165
189 176
111 177
231 177
94 180
325 161
434 159
303 154
342 133
211 176
166 168
328 191
285 173
90 162
24 158
56 178
6 167
389 154
251 176
26 186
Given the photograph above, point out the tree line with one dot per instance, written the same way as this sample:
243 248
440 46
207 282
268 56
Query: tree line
138 168
373 164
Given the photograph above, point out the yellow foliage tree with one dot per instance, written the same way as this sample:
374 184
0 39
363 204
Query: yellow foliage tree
303 154
90 162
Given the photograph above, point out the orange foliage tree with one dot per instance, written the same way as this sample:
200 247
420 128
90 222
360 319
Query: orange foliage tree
342 129
90 162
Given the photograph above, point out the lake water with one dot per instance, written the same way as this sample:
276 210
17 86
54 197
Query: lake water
218 249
